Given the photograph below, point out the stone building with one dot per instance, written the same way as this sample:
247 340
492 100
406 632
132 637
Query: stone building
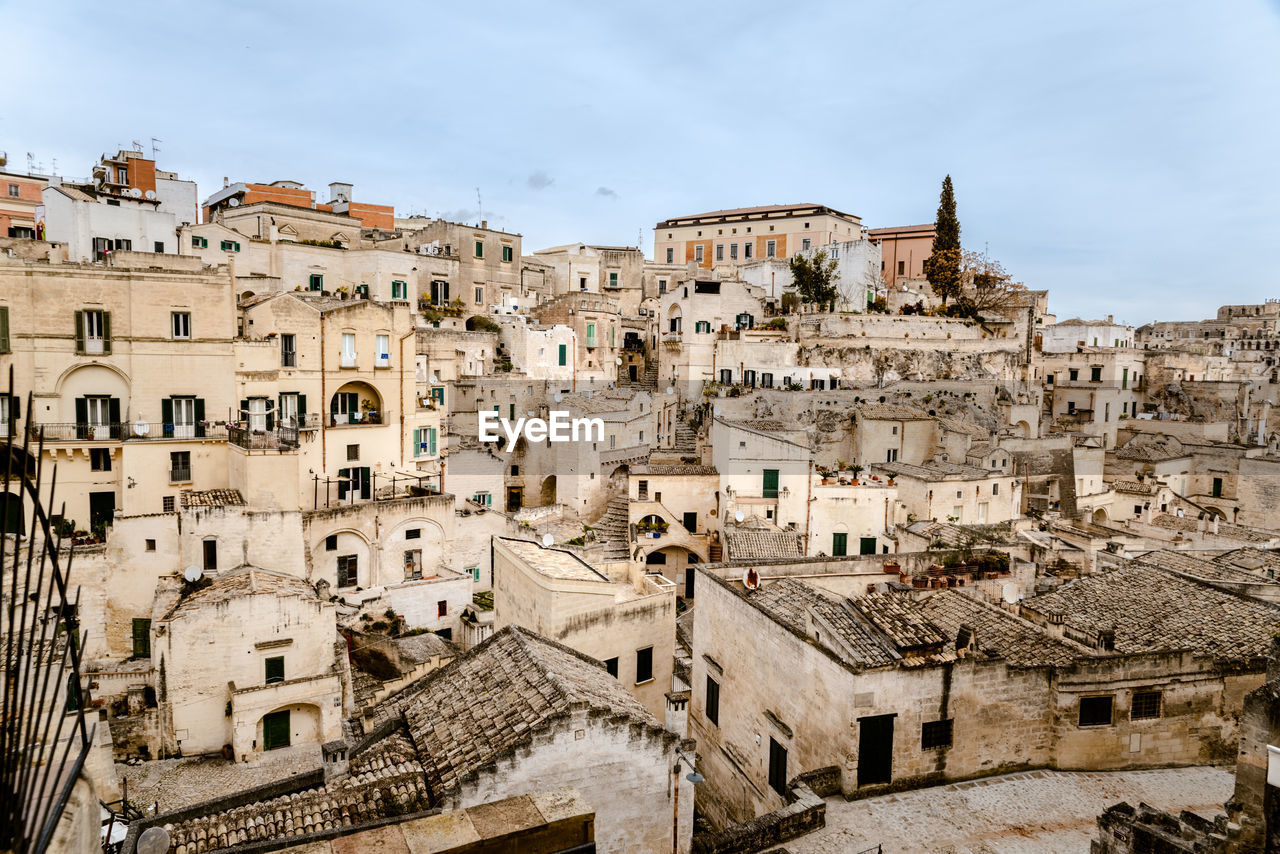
740 235
517 715
957 492
627 621
20 198
692 316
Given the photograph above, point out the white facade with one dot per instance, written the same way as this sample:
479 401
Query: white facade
1067 336
75 218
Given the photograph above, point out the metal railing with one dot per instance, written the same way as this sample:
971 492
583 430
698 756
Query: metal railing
137 431
281 438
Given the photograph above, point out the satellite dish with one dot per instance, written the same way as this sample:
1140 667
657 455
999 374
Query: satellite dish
671 389
141 428
154 840
738 517
151 194
435 380
235 203
751 579
617 361
135 192
559 397
193 574
548 540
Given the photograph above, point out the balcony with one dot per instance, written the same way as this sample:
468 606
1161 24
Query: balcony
138 431
671 337
279 439
354 419
348 360
180 474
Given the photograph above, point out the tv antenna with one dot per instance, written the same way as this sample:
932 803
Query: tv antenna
479 206
137 146
154 147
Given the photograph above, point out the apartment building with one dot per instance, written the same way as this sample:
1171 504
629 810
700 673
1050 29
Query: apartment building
741 235
21 198
903 251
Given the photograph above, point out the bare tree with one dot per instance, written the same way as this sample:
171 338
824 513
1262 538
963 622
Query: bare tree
989 287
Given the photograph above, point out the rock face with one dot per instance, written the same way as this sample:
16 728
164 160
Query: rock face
873 365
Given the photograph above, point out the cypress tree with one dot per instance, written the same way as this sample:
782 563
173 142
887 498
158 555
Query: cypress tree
942 268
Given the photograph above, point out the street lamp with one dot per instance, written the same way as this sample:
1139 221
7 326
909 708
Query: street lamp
693 777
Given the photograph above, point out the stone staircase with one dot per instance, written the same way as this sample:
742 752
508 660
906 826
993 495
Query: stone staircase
686 443
647 381
614 530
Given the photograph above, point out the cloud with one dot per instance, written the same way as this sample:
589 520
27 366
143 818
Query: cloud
606 192
540 180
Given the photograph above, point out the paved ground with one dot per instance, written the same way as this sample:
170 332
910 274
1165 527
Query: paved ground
181 782
1041 812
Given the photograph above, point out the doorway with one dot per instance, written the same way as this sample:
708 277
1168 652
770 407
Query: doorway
275 730
102 508
515 498
875 750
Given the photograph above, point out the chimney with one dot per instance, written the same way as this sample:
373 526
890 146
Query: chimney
335 759
226 182
484 223
1110 319
966 640
322 590
1107 640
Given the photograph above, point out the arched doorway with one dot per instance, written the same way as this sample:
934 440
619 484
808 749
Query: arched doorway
355 403
548 494
1100 516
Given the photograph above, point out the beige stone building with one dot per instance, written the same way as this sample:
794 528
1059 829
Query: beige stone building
628 621
740 235
958 492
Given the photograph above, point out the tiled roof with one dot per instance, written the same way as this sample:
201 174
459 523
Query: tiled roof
937 471
241 582
923 227
385 780
891 412
495 697
659 470
1262 561
553 563
211 498
803 608
998 632
729 213
1133 487
1151 449
1199 567
901 619
1152 610
1186 524
955 425
744 544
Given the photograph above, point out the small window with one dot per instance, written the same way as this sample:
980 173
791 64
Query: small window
230 246
644 665
1146 704
934 734
275 669
353 453
347 570
507 254
995 489
1095 375
697 254
181 324
611 664
14 191
479 296
316 282
1073 374
179 466
150 545
671 256
211 555
331 543
100 459
442 608
413 533
288 350
713 701
902 268
770 248
1095 711
141 638
479 248
167 503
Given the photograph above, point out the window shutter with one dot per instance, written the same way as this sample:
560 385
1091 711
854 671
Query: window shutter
82 410
166 416
364 482
106 332
15 408
79 331
271 415
243 414
302 408
417 441
4 329
431 447
343 474
237 245
113 412
199 407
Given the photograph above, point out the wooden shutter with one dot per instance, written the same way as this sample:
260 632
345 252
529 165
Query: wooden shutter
271 415
82 416
431 447
4 329
417 441
343 474
199 407
80 332
166 417
106 332
243 414
770 485
365 482
113 415
302 409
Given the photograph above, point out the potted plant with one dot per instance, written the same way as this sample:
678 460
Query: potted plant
368 414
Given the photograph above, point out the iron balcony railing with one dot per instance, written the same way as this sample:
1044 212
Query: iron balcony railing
279 439
136 431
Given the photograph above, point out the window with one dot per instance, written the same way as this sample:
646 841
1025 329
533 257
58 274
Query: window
347 570
412 564
159 247
766 380
507 254
275 669
198 242
479 296
93 332
150 545
1217 487
719 251
713 701
777 767
671 255
1095 375
122 175
424 441
479 248
697 253
902 268
770 248
747 249
288 350
316 282
891 456
100 459
14 191
804 244
564 354
382 351
331 543
348 355
167 503
484 499
141 638
995 489
474 572
839 544
613 279
611 664
210 547
399 290
1146 704
934 734
181 324
662 284
1073 374
179 466
353 453
234 246
644 664
1095 711
769 483
4 329
442 608
702 327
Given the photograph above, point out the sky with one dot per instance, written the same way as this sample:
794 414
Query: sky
1126 156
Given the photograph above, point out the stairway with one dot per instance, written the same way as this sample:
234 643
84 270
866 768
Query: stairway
614 530
686 443
646 381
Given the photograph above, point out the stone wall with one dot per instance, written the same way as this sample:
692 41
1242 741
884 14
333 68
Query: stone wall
805 813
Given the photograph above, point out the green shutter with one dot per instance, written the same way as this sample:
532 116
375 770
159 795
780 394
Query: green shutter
271 415
770 485
431 440
113 412
199 407
80 332
839 545
564 351
417 441
343 475
166 417
106 332
141 638
4 329
365 482
302 409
